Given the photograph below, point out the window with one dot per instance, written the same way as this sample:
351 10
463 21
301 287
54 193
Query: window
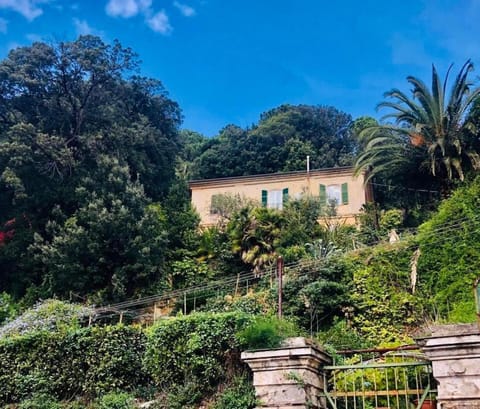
274 199
215 204
335 193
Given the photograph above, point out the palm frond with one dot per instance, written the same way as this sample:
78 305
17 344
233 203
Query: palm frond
417 110
424 96
425 127
460 86
445 82
437 101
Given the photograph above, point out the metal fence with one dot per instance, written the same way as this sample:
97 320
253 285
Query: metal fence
380 379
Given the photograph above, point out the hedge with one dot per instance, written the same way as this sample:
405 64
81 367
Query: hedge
89 362
200 347
196 351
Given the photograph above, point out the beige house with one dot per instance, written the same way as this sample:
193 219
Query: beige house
350 193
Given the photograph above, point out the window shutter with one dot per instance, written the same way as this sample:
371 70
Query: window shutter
264 198
285 195
323 195
344 193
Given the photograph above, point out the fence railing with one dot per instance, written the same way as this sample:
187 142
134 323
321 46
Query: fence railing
393 379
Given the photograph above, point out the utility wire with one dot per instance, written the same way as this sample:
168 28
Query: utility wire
453 225
404 188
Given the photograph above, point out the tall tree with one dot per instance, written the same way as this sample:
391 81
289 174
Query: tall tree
67 110
432 129
112 245
281 141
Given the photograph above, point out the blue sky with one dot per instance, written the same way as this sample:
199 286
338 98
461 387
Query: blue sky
227 61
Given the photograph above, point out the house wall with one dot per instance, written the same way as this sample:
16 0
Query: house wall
298 183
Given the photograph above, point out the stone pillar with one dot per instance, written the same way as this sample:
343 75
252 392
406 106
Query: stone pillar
290 377
455 354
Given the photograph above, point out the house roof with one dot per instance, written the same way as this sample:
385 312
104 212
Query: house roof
345 170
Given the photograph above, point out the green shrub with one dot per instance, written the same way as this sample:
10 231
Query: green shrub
450 254
8 308
184 396
463 312
383 306
313 295
266 332
293 253
391 219
369 227
200 347
342 336
239 395
77 404
40 401
114 359
26 362
115 400
91 361
254 303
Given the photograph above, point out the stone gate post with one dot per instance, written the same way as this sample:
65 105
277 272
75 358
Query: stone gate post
455 354
290 377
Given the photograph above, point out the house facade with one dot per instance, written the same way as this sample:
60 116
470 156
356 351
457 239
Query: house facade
340 185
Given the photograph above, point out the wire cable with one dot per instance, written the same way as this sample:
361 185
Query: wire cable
243 277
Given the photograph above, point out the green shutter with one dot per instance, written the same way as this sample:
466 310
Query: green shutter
323 195
344 193
264 198
285 195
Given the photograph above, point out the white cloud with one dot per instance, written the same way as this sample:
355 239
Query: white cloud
3 25
83 28
159 23
127 8
27 8
186 10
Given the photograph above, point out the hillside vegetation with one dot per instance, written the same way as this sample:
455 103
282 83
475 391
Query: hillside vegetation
95 208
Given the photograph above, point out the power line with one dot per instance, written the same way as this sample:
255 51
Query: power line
404 188
245 277
180 292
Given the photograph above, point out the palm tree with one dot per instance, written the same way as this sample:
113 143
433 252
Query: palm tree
431 128
255 233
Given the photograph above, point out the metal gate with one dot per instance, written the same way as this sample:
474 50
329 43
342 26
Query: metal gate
399 378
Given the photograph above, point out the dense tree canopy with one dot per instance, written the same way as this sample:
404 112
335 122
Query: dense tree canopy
94 204
84 142
280 141
94 199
